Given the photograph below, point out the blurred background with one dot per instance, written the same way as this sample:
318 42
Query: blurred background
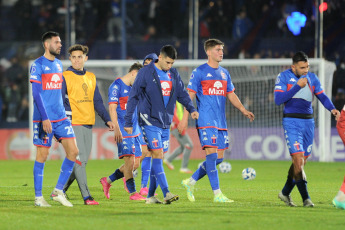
125 30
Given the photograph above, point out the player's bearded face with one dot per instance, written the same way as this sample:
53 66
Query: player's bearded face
300 68
55 46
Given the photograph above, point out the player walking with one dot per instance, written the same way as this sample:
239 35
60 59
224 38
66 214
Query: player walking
81 99
129 148
49 118
211 85
158 86
295 88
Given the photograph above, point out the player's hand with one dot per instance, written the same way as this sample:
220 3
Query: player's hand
129 130
336 113
111 125
302 82
249 115
195 115
47 126
118 135
182 125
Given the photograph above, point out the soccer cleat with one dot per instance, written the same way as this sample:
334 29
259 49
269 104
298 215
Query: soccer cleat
41 202
287 199
90 201
137 196
168 164
169 198
185 170
124 184
338 204
152 200
106 187
59 196
308 203
221 198
144 191
189 188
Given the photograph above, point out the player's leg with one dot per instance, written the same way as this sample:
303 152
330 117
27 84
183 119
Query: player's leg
128 174
145 170
341 125
179 150
107 181
42 141
188 147
64 133
339 199
290 183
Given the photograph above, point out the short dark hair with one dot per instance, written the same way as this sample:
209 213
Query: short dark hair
212 42
299 56
49 35
169 51
135 66
82 48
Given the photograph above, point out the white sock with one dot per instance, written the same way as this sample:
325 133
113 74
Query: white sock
192 181
340 196
216 192
109 181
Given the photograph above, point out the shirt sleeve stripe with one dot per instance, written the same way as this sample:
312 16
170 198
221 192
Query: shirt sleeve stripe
319 92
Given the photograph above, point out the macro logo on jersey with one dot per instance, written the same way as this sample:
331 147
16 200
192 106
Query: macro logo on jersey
52 81
214 87
166 87
123 102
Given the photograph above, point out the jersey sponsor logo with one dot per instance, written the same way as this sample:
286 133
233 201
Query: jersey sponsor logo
33 77
114 99
123 103
52 81
166 87
214 87
278 87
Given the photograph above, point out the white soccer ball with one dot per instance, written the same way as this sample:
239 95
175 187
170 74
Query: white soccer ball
248 174
224 167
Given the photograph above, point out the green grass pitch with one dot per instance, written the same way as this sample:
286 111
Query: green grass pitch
256 204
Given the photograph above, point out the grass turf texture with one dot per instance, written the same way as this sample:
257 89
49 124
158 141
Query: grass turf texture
256 204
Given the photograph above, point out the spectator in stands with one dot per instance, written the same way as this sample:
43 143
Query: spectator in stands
242 25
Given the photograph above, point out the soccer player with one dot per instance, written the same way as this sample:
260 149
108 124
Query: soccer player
211 85
81 98
186 144
158 86
49 118
129 148
295 88
339 199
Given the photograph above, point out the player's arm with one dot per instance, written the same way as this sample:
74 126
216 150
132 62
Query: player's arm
36 93
235 101
327 103
100 109
133 98
113 116
282 95
184 122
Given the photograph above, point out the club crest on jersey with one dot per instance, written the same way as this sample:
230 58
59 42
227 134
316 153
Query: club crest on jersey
133 148
155 143
59 67
52 81
214 140
223 75
166 87
169 75
297 145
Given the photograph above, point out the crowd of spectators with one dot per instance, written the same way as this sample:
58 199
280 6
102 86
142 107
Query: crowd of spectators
249 28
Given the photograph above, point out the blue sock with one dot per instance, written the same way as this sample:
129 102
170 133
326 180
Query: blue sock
145 171
153 183
65 172
302 188
130 185
289 185
157 164
212 171
38 177
116 175
201 172
85 198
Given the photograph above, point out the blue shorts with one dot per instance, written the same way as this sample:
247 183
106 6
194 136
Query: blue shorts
214 138
141 138
129 146
61 130
299 135
156 138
